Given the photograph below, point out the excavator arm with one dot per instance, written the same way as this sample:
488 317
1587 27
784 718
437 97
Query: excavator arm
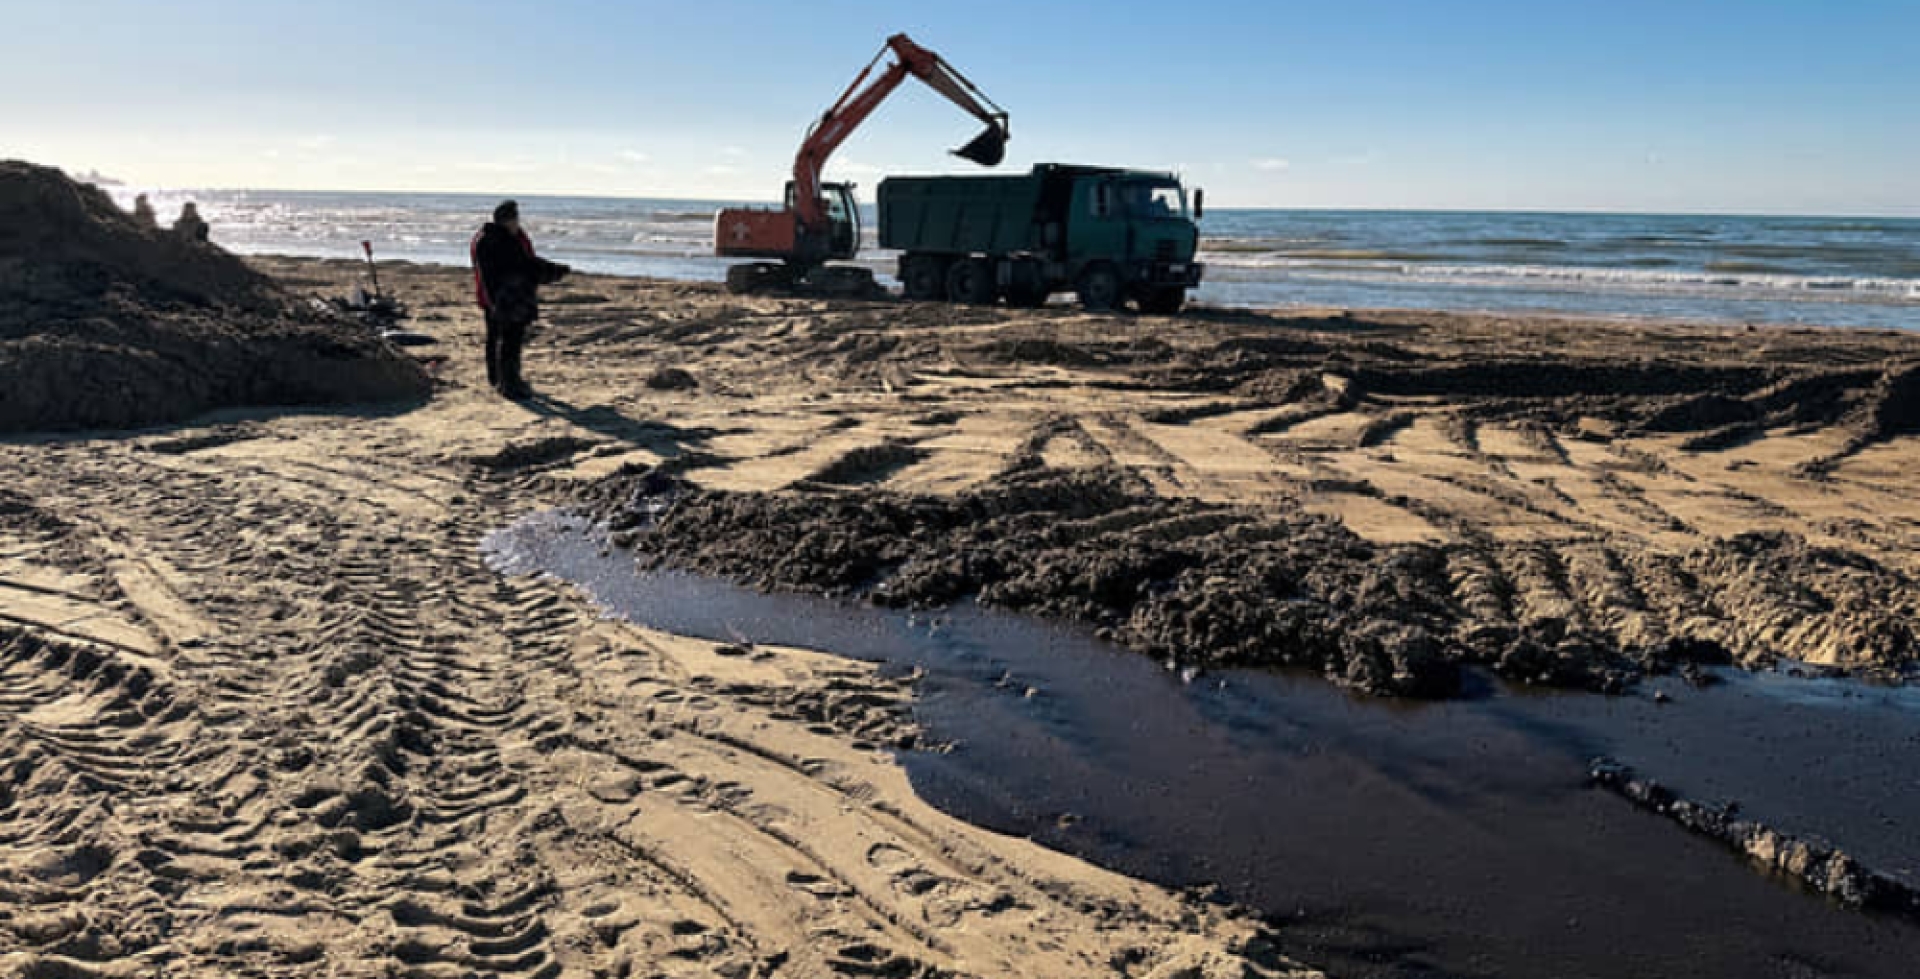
865 95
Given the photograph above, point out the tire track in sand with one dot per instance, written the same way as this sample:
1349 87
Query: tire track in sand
353 750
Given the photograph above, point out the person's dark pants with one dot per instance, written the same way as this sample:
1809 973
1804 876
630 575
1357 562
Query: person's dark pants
505 340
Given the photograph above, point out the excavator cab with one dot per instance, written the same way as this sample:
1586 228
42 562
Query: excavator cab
842 240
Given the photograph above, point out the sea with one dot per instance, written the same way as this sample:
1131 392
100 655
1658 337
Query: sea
1828 271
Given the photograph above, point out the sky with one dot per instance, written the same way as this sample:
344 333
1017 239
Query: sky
1759 106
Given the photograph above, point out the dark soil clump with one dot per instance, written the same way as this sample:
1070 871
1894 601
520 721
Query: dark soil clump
1188 582
530 454
108 323
671 379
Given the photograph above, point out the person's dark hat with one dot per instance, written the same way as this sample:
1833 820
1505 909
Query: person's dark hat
507 211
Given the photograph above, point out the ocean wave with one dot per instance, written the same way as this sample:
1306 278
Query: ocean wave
1760 268
1671 239
1592 277
1515 242
1859 227
1356 254
1258 244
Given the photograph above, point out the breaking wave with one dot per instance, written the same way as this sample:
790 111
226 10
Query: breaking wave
1731 275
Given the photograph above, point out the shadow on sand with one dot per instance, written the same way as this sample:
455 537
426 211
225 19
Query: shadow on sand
671 442
219 420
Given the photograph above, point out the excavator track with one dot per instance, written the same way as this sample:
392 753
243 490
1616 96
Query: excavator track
829 281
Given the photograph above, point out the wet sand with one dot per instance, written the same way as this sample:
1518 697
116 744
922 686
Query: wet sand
265 708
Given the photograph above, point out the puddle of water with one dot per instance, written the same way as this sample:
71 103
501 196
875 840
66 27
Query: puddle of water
1386 839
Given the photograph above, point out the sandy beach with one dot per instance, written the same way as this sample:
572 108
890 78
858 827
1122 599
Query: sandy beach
266 711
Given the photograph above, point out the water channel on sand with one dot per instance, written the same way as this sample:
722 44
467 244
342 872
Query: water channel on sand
1382 838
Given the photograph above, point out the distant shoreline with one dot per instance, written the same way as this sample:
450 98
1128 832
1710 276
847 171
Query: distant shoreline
1852 272
1528 316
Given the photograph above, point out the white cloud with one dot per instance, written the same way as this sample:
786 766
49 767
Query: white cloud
1272 164
513 166
634 157
733 151
723 170
855 168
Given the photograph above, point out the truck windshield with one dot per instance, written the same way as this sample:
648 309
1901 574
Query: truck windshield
1155 200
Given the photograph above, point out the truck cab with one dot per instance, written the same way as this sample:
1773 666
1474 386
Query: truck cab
1140 224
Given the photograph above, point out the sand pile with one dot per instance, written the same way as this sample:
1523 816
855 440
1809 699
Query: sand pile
107 323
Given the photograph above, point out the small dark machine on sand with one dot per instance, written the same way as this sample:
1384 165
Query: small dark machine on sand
377 310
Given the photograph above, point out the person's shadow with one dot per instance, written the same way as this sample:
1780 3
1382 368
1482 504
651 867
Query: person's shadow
662 439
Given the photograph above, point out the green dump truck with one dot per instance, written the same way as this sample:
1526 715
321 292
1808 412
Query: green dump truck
1107 235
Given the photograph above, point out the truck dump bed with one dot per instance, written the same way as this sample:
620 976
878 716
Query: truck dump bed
990 215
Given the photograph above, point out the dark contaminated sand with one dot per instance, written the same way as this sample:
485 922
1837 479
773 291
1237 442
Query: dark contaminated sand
105 323
1385 840
264 711
1206 584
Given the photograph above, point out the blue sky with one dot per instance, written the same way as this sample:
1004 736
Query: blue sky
1757 106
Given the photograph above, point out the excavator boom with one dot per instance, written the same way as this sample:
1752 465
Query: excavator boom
795 242
865 95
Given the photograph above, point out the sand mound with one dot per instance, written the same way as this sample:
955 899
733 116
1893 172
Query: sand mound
108 323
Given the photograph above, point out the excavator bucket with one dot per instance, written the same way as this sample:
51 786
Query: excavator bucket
988 148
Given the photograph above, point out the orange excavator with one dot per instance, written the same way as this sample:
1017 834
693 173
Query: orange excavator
820 222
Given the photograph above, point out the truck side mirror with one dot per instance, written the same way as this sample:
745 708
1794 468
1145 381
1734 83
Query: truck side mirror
1199 203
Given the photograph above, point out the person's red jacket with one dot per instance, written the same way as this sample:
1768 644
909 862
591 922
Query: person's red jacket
507 275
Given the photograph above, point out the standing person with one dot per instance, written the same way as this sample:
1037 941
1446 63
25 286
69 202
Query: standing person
191 225
143 212
507 277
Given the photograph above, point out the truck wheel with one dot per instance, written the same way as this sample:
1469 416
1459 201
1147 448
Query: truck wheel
970 281
1027 285
1099 289
1163 302
923 278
